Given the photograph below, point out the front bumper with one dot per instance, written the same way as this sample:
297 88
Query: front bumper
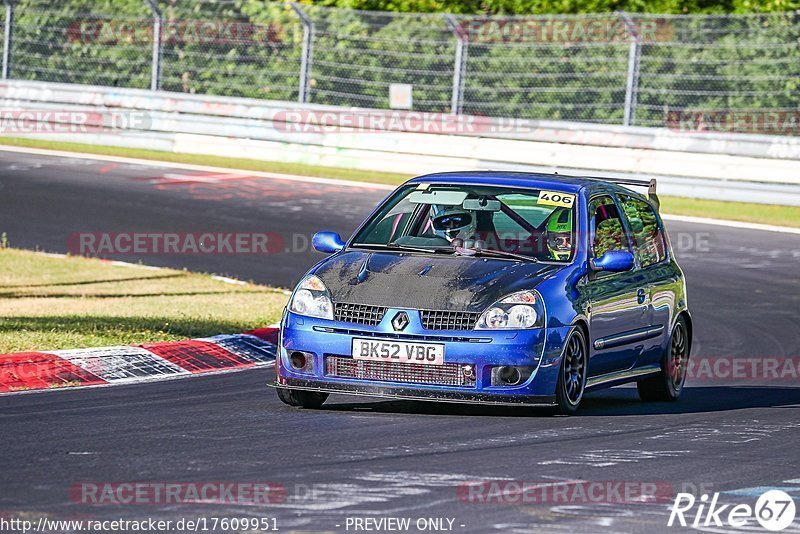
389 391
539 349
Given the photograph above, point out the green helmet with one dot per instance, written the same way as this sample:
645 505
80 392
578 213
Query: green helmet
559 234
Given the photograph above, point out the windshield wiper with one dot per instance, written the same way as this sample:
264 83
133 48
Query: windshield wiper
496 253
399 246
447 250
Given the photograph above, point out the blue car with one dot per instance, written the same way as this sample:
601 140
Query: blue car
493 288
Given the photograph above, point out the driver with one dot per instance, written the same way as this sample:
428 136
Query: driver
559 234
454 222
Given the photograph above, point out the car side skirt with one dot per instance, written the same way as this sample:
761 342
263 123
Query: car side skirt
621 377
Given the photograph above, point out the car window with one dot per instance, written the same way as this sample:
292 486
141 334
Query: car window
390 224
607 230
648 241
526 207
531 222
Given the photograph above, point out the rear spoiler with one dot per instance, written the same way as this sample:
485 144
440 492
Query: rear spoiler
649 184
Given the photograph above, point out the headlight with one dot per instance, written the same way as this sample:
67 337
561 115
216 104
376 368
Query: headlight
518 310
311 298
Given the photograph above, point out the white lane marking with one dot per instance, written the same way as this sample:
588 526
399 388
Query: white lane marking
202 168
204 178
732 224
116 263
54 255
345 183
450 446
608 457
734 433
755 491
227 280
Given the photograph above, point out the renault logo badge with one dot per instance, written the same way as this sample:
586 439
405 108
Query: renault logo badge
400 321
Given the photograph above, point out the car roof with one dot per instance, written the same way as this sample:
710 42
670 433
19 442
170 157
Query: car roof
533 180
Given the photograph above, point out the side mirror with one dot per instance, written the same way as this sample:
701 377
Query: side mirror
613 261
327 242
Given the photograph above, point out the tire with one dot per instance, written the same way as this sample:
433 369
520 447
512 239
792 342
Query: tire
572 374
305 399
667 385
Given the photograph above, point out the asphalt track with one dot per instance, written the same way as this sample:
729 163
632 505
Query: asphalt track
361 458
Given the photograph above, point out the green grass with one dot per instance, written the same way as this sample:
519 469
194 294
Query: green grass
735 211
51 303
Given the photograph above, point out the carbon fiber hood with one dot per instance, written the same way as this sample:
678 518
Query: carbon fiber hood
421 281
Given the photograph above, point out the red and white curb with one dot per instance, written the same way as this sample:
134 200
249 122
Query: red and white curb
31 371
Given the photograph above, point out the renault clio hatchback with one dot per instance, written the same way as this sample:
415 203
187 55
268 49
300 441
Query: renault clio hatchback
492 288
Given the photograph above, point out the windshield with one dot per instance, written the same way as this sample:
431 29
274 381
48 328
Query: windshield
537 224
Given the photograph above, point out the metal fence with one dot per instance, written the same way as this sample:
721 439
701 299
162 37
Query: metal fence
614 68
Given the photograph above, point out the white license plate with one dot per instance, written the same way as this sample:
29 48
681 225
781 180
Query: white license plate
383 350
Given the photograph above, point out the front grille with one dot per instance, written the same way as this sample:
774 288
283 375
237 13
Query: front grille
358 313
449 374
449 320
406 337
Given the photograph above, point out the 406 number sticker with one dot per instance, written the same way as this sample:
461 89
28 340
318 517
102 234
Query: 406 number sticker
556 198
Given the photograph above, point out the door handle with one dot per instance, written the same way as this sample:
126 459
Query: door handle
641 296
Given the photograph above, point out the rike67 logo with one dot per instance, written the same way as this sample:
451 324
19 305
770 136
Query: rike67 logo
774 511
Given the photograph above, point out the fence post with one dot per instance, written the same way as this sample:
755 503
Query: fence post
7 38
155 69
632 83
460 66
306 53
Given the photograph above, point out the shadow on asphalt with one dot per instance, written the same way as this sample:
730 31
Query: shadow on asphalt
693 400
606 403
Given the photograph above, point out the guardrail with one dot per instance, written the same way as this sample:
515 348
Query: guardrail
754 168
